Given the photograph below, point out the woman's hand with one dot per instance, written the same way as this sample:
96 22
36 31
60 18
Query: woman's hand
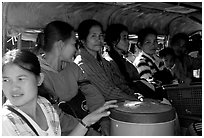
96 115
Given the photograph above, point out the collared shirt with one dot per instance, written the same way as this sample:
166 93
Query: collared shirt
100 76
14 125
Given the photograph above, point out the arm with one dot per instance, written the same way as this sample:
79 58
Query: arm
94 99
144 70
92 118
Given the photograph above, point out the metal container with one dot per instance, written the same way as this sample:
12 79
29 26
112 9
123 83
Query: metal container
147 118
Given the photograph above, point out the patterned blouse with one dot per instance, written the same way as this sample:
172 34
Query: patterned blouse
13 125
146 66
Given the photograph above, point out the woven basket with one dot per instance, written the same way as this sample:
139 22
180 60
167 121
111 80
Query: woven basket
186 99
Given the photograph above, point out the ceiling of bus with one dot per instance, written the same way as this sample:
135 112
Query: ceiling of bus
165 17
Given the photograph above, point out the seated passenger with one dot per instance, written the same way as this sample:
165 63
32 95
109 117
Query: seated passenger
185 64
65 82
117 39
168 56
145 62
26 112
124 71
89 59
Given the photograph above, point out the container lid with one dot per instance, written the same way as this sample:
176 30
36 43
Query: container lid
147 111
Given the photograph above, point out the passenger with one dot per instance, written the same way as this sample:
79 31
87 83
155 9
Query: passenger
124 71
91 37
145 62
59 47
118 41
185 63
168 76
89 58
26 112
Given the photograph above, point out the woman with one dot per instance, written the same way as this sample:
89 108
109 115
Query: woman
119 46
145 62
89 59
21 76
65 81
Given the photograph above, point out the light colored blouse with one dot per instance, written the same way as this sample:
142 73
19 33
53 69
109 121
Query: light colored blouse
13 125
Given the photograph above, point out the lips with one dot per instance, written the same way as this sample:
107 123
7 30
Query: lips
16 95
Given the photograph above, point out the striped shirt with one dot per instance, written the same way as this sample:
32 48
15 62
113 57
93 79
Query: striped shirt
14 125
146 66
100 76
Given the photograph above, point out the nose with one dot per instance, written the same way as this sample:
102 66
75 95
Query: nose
14 86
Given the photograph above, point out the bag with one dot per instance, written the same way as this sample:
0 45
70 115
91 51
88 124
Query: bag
76 106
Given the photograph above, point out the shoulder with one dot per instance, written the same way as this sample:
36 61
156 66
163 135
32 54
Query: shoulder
48 107
71 67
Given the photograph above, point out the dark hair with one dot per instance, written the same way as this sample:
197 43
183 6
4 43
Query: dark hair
55 31
166 51
112 37
143 33
24 59
85 26
113 33
27 61
177 37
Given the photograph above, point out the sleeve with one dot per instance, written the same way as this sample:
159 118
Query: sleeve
94 99
8 129
144 70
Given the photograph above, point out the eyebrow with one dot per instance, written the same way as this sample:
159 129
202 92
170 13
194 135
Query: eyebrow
17 76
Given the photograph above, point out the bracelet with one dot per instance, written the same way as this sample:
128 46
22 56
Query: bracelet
86 126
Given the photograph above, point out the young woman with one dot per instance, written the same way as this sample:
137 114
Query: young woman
65 80
145 62
21 76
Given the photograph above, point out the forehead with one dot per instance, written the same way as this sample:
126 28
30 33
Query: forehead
95 29
14 70
124 33
150 37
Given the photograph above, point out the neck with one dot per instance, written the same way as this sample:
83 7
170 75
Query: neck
119 51
53 61
30 108
93 53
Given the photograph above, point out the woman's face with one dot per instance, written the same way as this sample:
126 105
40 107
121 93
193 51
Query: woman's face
124 42
95 39
68 51
19 86
150 44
